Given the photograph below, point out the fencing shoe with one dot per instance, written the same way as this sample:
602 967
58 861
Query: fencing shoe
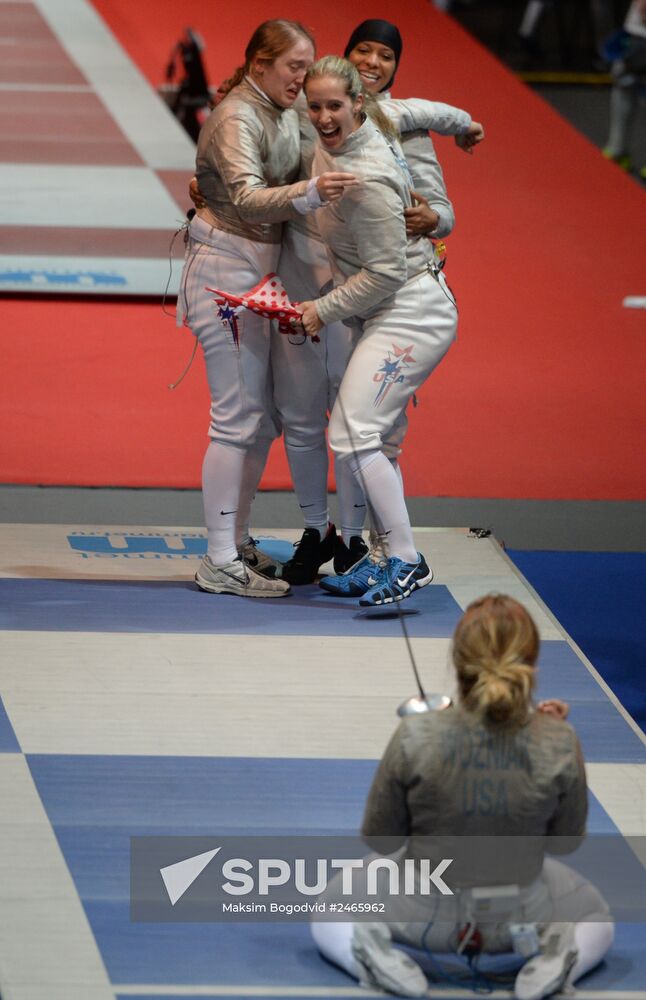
347 556
396 581
355 581
257 559
237 578
384 966
547 972
311 552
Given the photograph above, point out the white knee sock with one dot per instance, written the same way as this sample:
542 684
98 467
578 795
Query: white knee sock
398 472
385 496
254 466
351 501
309 467
221 481
593 940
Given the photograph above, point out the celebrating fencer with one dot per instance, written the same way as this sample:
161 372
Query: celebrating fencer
307 376
248 153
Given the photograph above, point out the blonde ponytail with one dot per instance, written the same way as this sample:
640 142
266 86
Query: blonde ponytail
495 648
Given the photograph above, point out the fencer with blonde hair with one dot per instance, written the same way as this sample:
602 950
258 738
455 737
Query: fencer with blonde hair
307 375
495 648
497 781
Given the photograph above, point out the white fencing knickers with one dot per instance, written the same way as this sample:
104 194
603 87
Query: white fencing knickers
307 375
236 353
236 349
399 348
432 923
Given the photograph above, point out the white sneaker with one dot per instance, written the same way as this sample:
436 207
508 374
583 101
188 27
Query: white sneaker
547 973
384 966
258 560
237 578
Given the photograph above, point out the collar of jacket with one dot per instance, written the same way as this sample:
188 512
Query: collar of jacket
256 95
360 137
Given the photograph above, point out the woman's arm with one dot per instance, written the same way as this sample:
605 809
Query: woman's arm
386 820
372 218
567 824
234 152
415 113
429 183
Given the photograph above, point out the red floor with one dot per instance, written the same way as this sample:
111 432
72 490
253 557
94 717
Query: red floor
543 395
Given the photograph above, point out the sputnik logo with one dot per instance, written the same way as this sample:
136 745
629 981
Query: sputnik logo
178 878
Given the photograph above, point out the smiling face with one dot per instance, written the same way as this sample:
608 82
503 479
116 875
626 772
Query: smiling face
333 113
376 64
282 79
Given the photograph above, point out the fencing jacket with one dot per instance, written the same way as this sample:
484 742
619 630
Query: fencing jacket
364 231
248 157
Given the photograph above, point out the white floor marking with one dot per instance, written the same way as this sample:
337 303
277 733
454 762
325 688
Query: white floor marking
145 120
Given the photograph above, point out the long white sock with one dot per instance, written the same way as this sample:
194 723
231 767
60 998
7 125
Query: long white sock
385 497
309 467
593 940
221 481
398 472
254 466
350 499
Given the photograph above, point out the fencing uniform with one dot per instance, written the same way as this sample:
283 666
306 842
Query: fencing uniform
489 796
247 158
307 375
389 283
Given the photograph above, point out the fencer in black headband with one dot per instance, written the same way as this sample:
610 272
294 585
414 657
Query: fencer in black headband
382 32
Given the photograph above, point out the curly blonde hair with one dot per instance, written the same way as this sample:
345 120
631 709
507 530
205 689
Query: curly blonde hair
495 648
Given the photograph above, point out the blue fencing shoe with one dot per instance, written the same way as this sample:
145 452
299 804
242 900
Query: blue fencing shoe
397 580
358 580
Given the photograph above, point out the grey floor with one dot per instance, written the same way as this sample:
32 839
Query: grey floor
595 525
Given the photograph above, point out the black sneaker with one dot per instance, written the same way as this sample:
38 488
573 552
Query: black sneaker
347 556
310 554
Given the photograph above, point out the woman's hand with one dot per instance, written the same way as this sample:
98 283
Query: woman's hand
332 186
195 194
470 138
421 219
310 319
554 707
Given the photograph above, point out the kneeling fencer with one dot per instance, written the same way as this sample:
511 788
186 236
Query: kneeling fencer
506 781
